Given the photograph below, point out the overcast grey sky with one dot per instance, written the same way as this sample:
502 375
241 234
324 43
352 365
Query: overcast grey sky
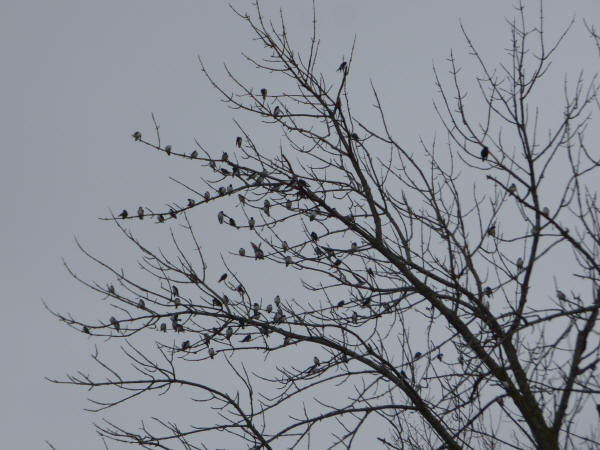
78 77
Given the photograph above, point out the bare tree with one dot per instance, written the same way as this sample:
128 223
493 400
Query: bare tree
451 292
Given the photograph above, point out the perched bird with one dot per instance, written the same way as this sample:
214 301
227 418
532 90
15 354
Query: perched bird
288 260
561 295
492 230
211 353
224 157
256 307
229 332
246 338
276 112
263 92
216 302
123 214
161 218
312 216
355 317
240 289
545 211
512 188
232 222
225 300
242 251
354 137
191 202
222 190
288 204
340 303
137 136
314 236
316 361
141 304
251 223
354 247
221 216
168 149
417 355
242 199
223 277
194 155
172 213
114 323
285 246
342 67
488 291
185 345
163 327
238 141
267 207
258 253
337 262
111 289
519 263
269 308
485 151
140 212
175 291
277 300
86 330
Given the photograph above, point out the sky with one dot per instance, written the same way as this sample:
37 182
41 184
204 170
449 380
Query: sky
78 77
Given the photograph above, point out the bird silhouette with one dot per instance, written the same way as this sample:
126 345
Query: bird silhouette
194 155
251 223
114 323
276 111
242 251
342 67
263 92
137 136
223 277
168 149
123 214
140 212
485 151
221 216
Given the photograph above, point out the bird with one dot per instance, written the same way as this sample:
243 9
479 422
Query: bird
251 223
492 230
161 218
485 151
488 291
314 236
561 295
269 308
163 327
277 300
86 330
172 213
519 263
354 137
276 111
216 302
246 338
168 149
211 353
288 204
221 216
222 277
512 188
114 323
123 214
185 345
137 136
256 307
206 196
316 361
140 212
267 207
242 199
229 332
230 189
312 216
175 291
285 246
353 247
194 155
232 222
222 190
141 304
337 262
342 67
242 251
258 253
224 157
417 355
354 317
238 141
191 202
340 303
545 211
263 92
288 260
